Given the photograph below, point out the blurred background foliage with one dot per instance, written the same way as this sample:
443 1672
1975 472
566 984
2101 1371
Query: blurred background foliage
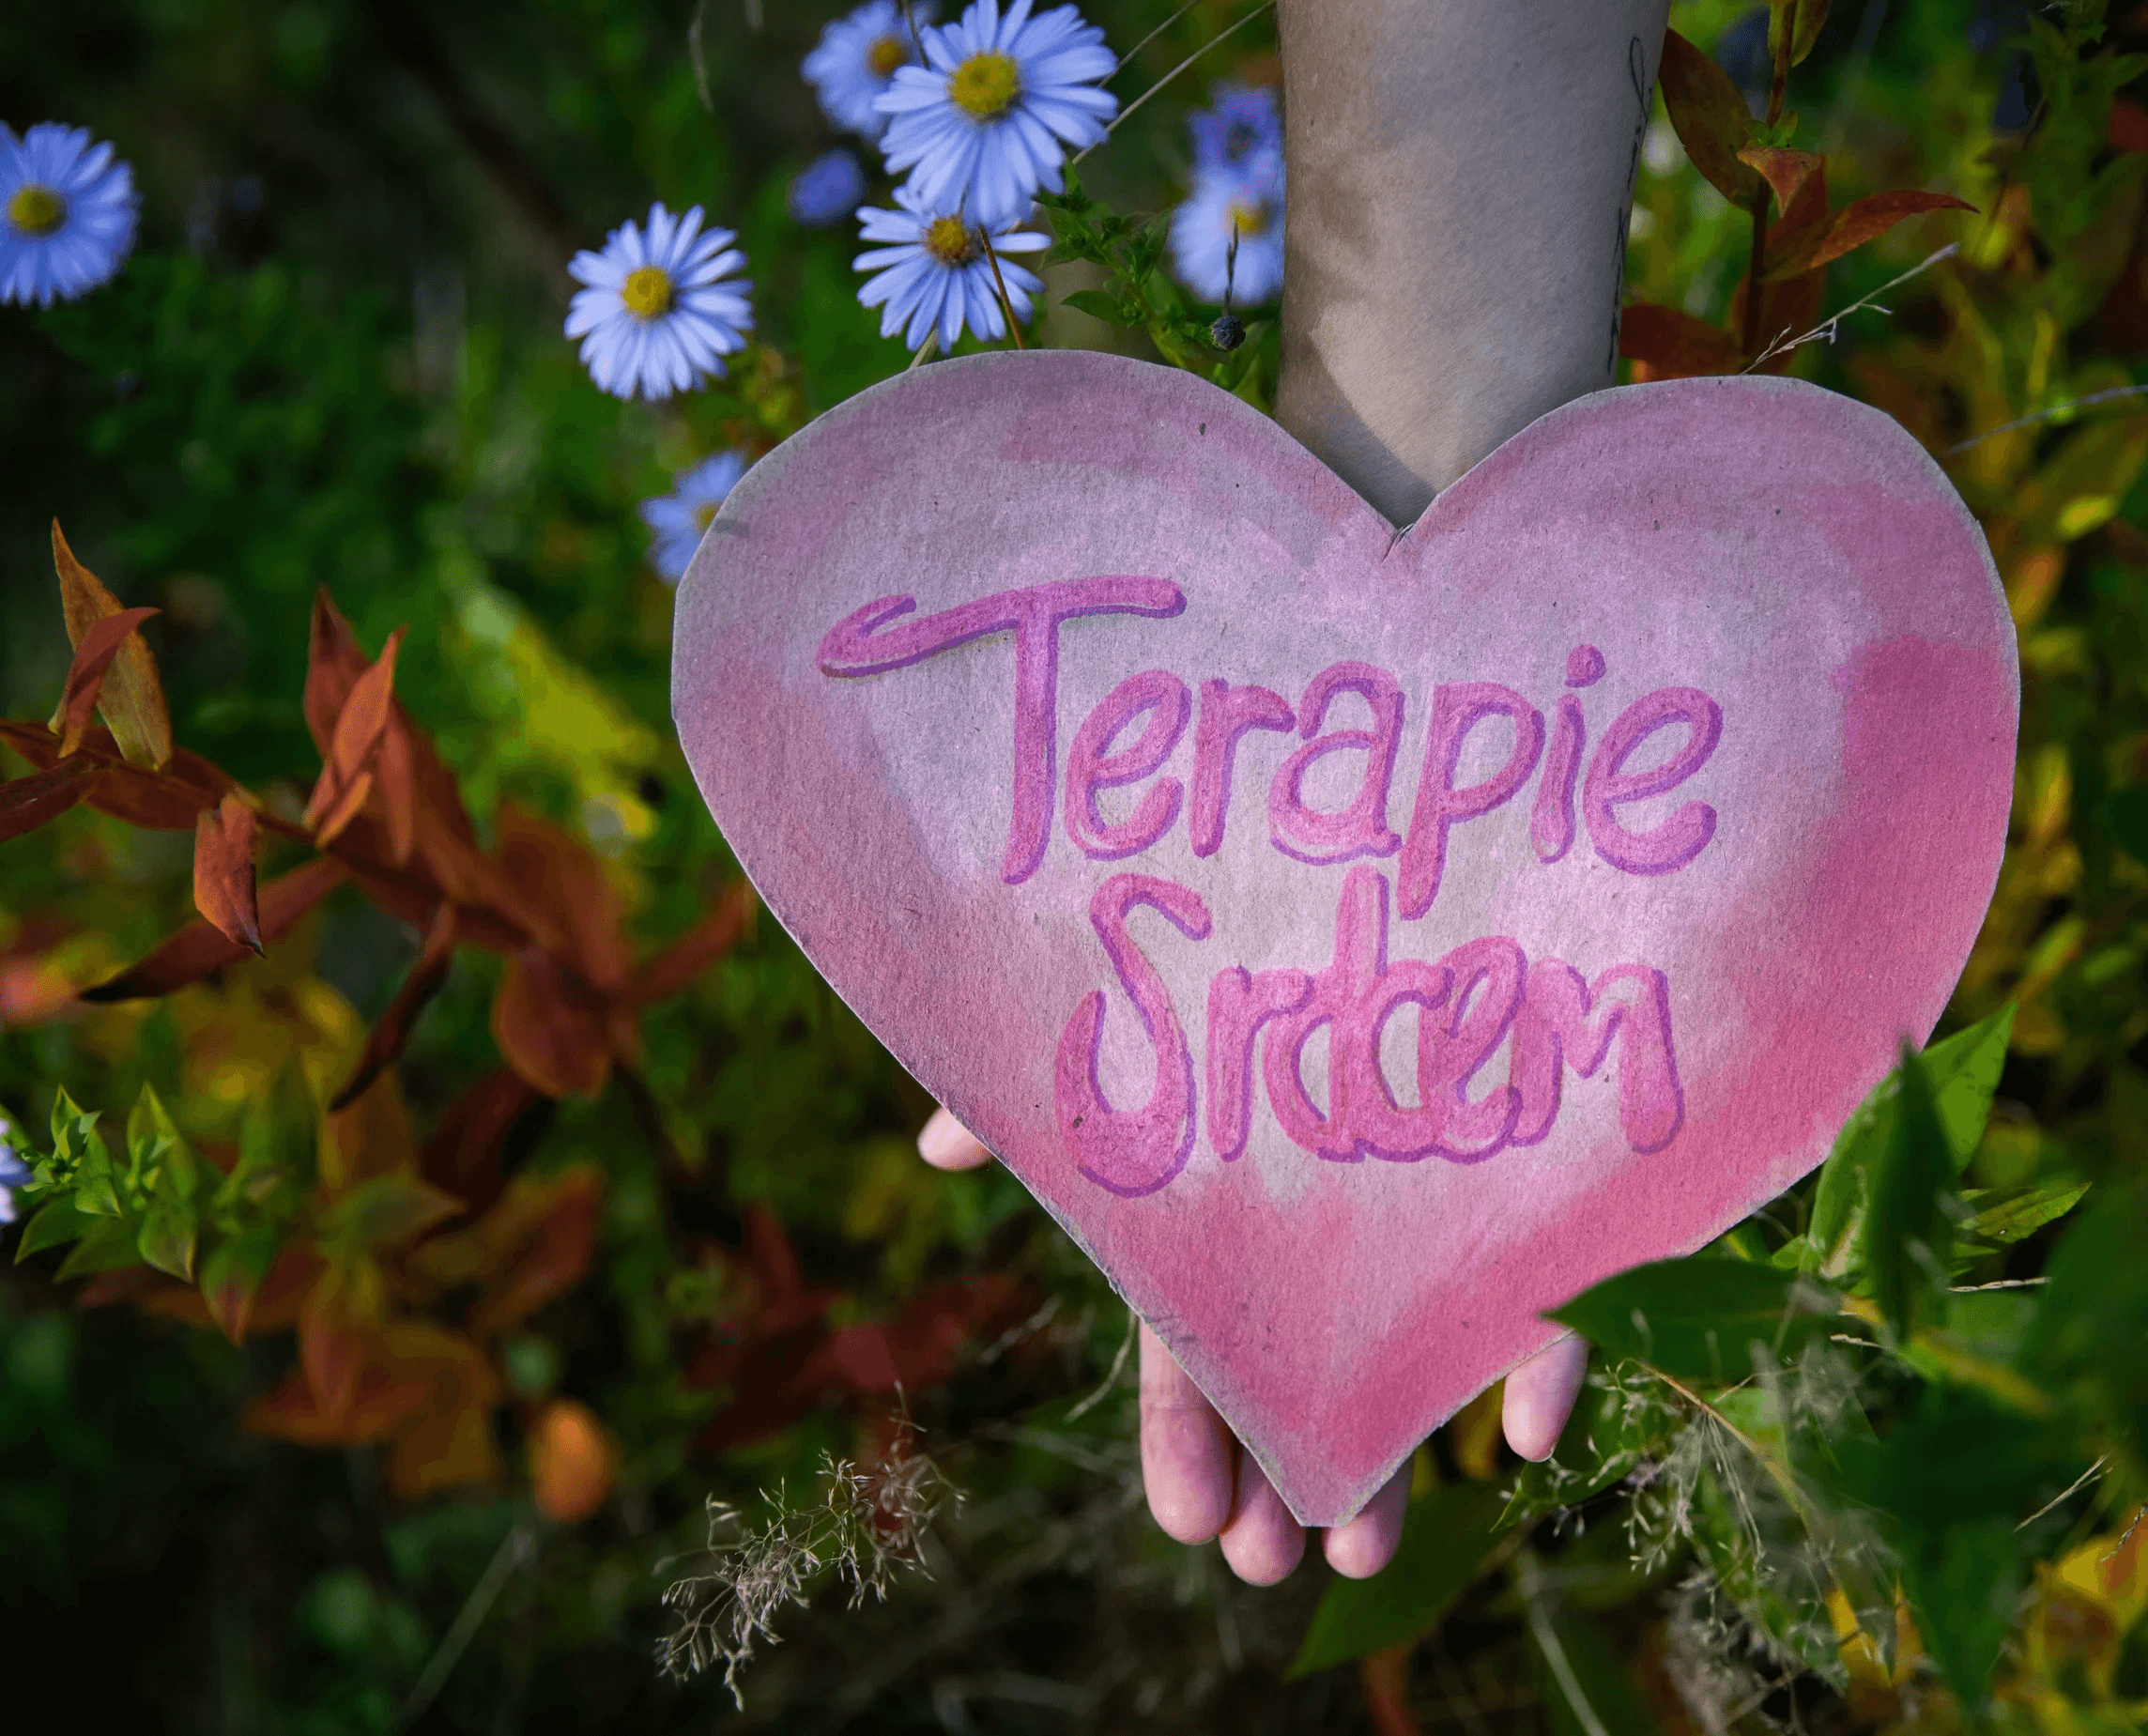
581 1290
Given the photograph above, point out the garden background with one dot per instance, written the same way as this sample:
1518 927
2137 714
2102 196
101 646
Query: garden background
407 1418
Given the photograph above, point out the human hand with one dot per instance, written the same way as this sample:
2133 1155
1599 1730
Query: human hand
1200 1484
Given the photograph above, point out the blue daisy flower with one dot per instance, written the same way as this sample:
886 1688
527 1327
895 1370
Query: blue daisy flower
1247 203
931 272
827 189
66 214
14 1173
679 518
1243 130
660 312
854 61
984 123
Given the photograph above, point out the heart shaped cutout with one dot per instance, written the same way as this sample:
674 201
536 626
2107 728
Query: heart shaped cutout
1359 941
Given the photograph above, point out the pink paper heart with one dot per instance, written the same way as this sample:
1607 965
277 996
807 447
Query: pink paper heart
1046 699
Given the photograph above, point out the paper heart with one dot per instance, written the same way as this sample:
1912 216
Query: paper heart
1362 942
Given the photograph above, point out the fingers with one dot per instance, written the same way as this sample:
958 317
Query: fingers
1363 1545
1539 1397
1261 1542
1185 1450
947 1144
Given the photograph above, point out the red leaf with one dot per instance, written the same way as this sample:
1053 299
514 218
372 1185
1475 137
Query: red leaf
660 977
920 1346
463 1153
1671 344
28 803
551 1026
2128 126
333 665
167 801
1859 221
1708 112
224 871
559 879
1785 171
198 949
1787 309
93 654
392 1030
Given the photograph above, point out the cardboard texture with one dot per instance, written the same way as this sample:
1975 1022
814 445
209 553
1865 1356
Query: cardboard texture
1362 942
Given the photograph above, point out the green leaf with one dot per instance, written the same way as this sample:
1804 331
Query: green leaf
1964 1072
1951 1483
106 1247
1098 305
60 1221
1448 1538
386 1212
2005 1215
166 1241
1907 1236
1696 1320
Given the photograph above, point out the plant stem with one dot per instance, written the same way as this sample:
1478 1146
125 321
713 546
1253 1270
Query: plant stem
1000 283
1776 86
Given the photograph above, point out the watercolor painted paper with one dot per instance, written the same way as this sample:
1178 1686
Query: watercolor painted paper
1361 940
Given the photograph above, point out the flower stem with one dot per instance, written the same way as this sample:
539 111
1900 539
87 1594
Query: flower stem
999 283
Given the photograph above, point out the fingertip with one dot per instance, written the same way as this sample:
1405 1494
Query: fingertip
1539 1397
1263 1542
947 1145
1185 1450
1366 1542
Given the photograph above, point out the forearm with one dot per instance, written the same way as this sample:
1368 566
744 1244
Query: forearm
1460 175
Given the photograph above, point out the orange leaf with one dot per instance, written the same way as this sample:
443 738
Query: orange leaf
199 949
28 803
1671 344
224 871
332 1346
1859 221
94 653
346 776
450 1440
551 1026
572 1462
543 1234
381 1402
396 778
133 700
392 1030
333 665
1785 171
1708 112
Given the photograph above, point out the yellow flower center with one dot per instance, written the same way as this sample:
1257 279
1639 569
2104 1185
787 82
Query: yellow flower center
985 86
647 292
37 210
1248 221
886 55
705 515
950 241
